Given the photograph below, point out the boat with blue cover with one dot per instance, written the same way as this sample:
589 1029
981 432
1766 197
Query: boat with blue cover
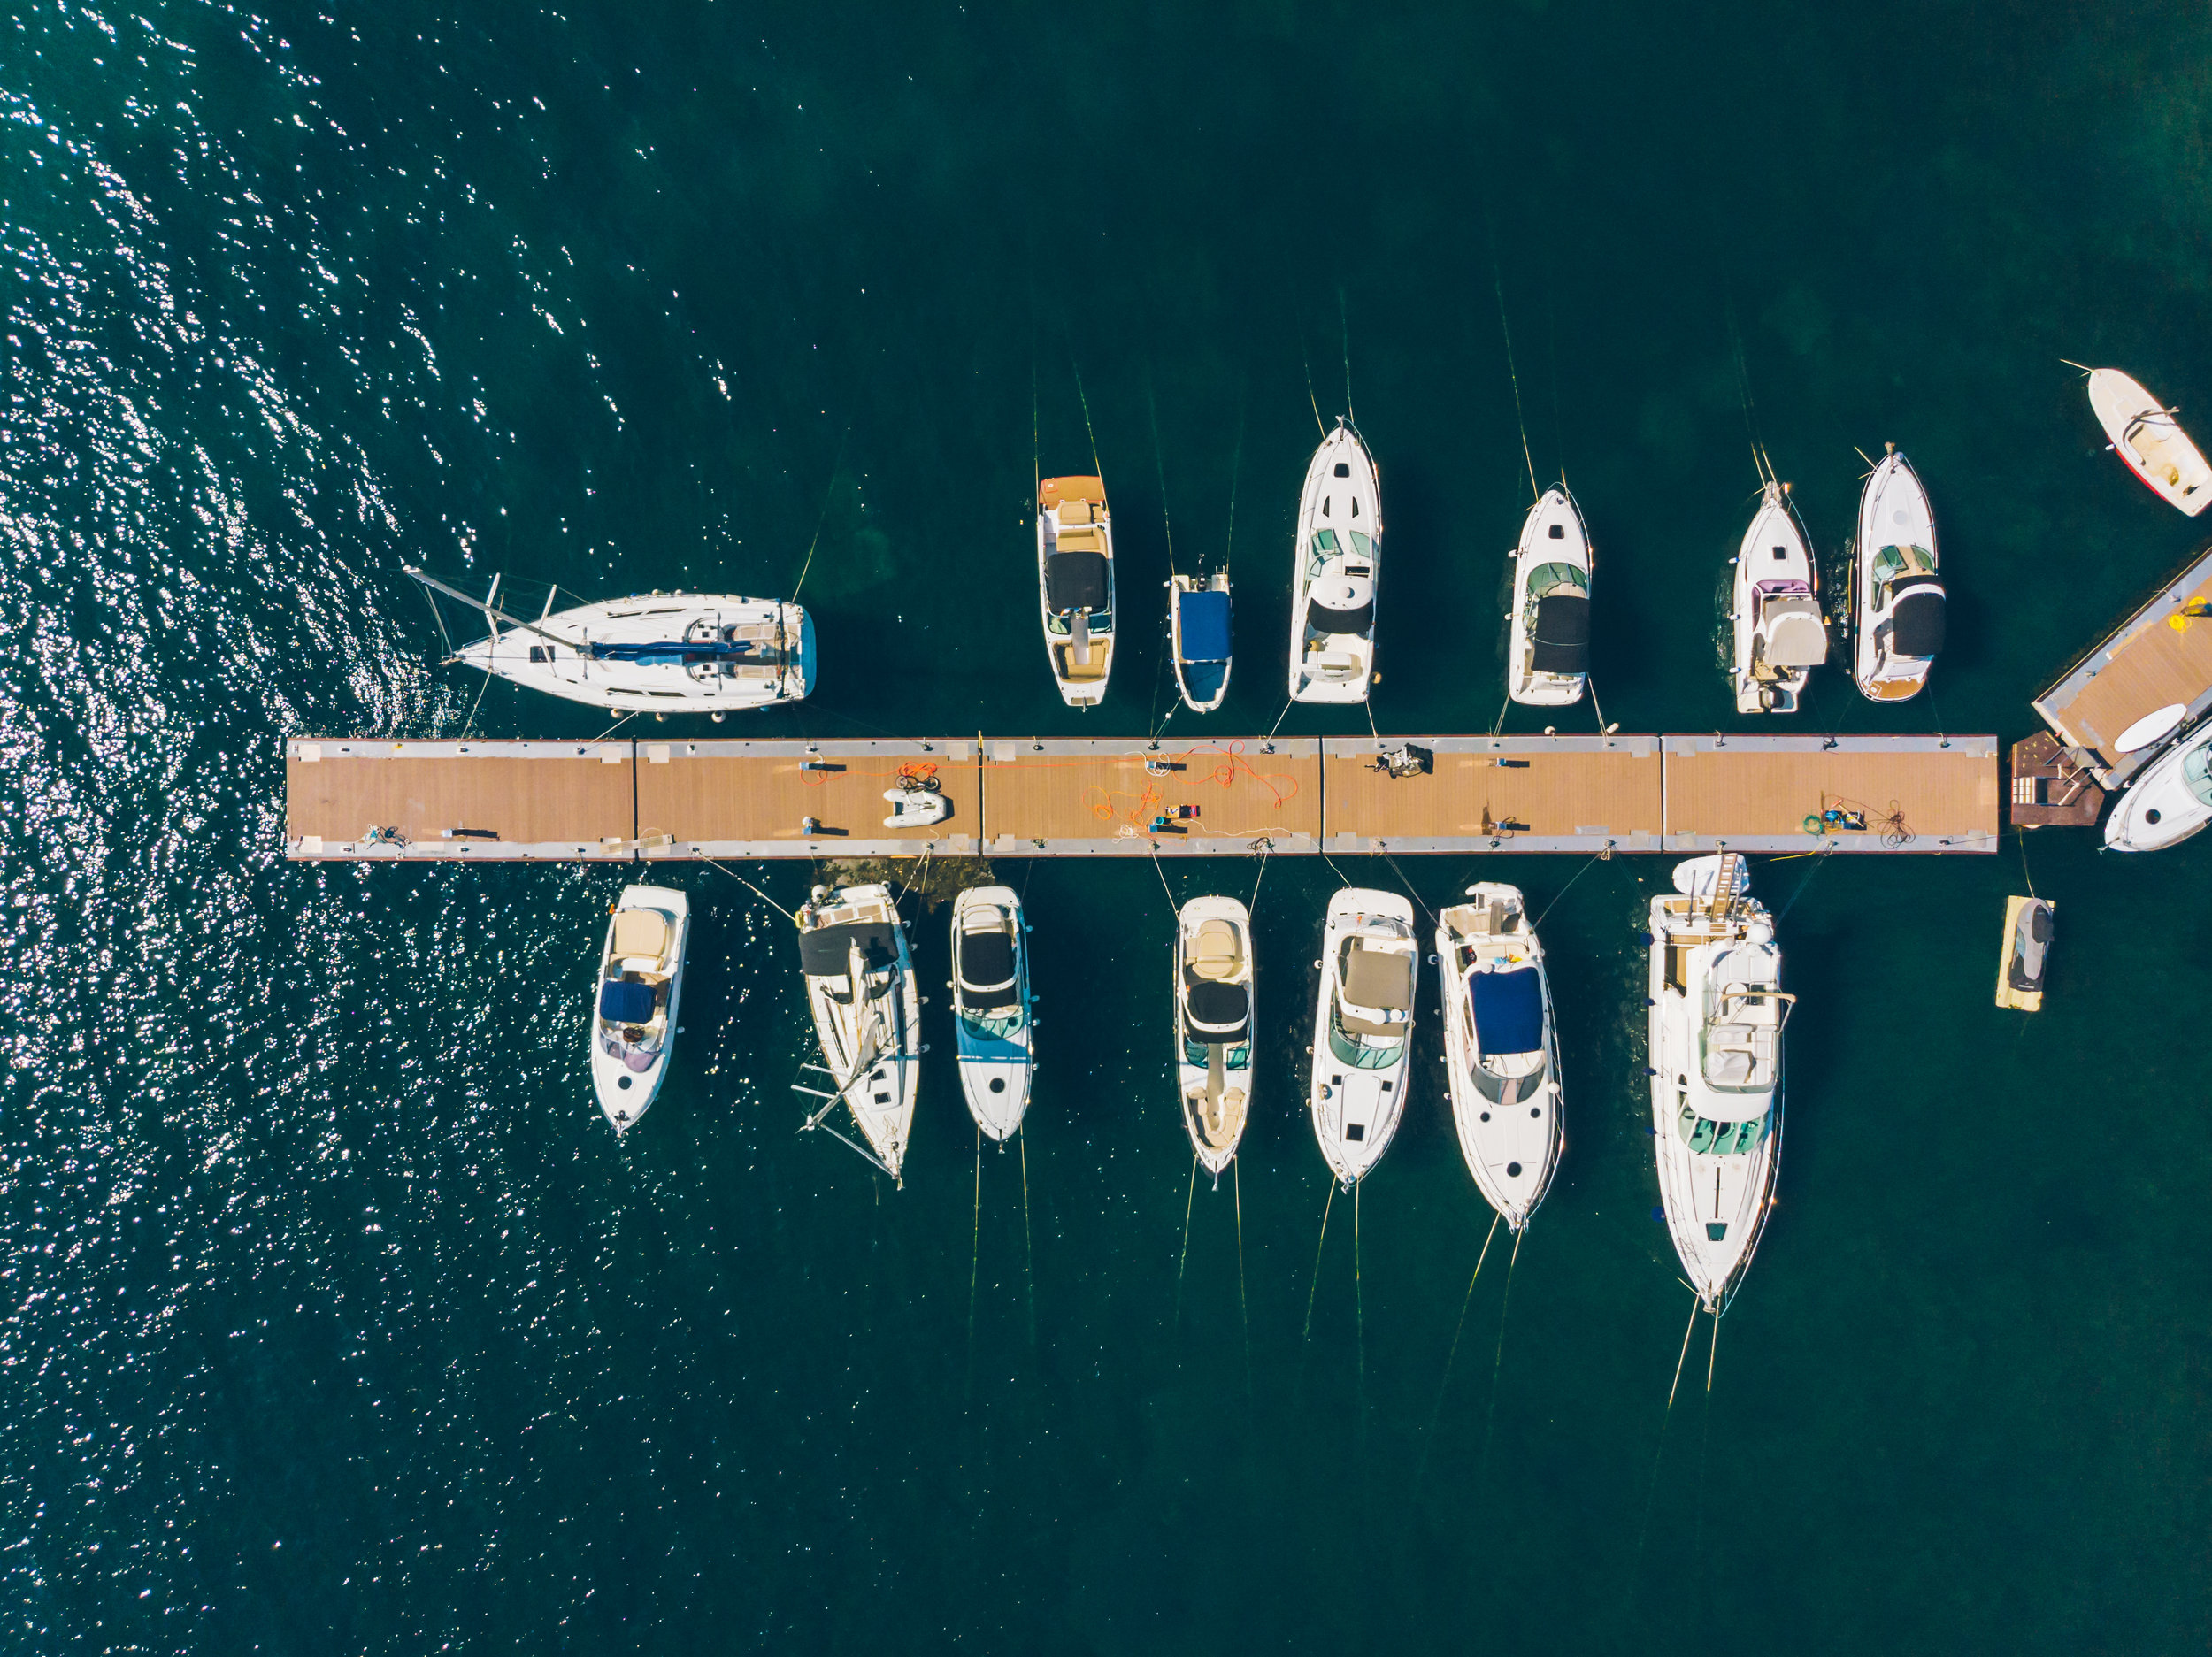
1198 624
633 1013
1501 1048
990 1007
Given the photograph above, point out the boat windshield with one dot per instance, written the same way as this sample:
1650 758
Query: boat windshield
1365 1053
1326 545
1237 1058
1002 1025
2196 771
1892 562
1101 622
1719 1139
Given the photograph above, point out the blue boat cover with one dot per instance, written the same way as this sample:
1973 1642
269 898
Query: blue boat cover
1205 622
662 653
1509 1013
622 1003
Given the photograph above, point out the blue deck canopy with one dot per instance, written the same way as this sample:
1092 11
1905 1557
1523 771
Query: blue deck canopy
1204 620
1508 1012
621 1003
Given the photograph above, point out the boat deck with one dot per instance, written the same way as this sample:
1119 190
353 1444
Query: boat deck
671 800
2161 656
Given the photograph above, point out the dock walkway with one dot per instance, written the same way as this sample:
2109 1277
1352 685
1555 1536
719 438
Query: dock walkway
2159 658
648 801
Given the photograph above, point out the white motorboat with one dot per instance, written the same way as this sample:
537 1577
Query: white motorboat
1362 1029
1716 1016
1897 600
990 1007
1501 1048
633 1014
706 653
1075 586
1213 1025
1547 662
2168 803
2145 434
1775 605
1335 567
1198 624
860 988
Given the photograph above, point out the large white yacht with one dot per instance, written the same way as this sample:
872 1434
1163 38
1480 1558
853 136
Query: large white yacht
1547 660
2168 803
1501 1048
1075 586
1362 1029
1775 605
990 1007
1334 572
1213 1025
860 988
658 653
1718 1012
634 1017
1897 600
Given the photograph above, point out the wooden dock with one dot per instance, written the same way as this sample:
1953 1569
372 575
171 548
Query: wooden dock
653 801
2160 658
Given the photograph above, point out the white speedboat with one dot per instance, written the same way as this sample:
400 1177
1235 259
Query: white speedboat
1775 605
860 988
1501 1048
1897 602
1333 573
1213 1025
659 652
633 1014
1547 660
1362 1029
990 1005
1718 1010
2168 803
1075 586
1198 624
2145 434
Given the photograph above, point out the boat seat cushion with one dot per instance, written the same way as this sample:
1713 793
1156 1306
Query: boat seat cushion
1215 953
1075 512
1379 979
641 932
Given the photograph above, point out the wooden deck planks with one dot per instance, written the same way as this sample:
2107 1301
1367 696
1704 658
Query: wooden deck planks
2157 657
755 798
1090 799
1753 794
519 800
1515 792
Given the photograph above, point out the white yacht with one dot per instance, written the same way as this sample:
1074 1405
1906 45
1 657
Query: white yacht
1198 627
1775 605
1718 1011
1213 1025
2146 436
658 653
860 988
1501 1048
1362 1029
2168 803
1547 662
1897 602
634 1017
1334 572
990 1005
1075 586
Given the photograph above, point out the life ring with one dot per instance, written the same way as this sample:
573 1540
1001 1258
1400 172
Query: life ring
1814 825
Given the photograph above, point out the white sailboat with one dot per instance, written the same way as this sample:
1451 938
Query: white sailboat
2170 802
640 985
1547 660
1362 1029
1897 600
990 1007
1718 1012
1775 605
1075 586
1334 570
1501 1048
2146 436
664 653
860 988
1213 1025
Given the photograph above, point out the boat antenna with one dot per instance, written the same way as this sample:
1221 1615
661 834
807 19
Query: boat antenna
493 614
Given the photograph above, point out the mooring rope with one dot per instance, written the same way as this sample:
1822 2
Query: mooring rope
1268 747
1314 1288
1029 1274
1244 1310
1428 1436
1497 1367
756 891
828 495
1319 425
1344 331
1096 469
1497 281
1563 891
1190 1200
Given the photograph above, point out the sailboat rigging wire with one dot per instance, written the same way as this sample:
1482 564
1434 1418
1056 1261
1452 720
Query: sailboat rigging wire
1428 1438
1315 1286
828 494
755 890
1497 281
1190 1201
866 1155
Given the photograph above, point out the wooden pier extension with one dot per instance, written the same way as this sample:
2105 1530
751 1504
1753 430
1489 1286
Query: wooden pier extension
654 801
2159 659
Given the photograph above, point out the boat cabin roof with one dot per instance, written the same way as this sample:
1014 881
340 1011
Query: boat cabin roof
824 952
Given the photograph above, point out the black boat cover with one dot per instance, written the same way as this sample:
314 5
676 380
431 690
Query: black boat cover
1075 580
1220 1009
986 970
823 952
1561 639
1321 618
1915 625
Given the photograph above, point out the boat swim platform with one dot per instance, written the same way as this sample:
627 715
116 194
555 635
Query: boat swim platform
644 801
2159 658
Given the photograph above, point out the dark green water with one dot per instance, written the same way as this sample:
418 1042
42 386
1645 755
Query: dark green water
337 1321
